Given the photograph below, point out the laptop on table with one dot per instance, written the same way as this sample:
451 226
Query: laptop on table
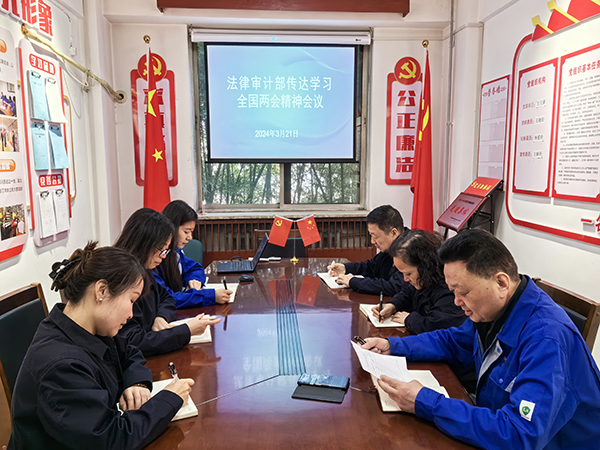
244 265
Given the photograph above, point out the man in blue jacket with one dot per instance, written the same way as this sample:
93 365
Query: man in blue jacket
538 386
385 225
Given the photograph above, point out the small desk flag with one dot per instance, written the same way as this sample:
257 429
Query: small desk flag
156 179
308 230
280 231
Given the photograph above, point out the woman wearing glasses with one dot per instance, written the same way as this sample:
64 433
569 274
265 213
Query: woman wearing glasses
147 234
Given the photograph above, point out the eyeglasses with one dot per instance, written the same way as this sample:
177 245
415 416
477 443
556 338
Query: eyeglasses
164 252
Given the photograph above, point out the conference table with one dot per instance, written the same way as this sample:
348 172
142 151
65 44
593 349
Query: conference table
284 322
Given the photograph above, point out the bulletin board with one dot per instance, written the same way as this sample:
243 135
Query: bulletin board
46 143
553 160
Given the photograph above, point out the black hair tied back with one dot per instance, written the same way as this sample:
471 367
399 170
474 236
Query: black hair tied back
59 270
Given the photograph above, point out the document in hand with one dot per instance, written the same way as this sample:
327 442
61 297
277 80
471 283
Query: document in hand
331 281
387 323
393 366
196 339
231 286
187 410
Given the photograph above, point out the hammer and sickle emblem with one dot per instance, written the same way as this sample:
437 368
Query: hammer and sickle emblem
406 67
279 223
157 70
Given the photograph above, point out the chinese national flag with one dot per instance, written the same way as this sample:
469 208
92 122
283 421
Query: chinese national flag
280 231
156 180
308 230
421 182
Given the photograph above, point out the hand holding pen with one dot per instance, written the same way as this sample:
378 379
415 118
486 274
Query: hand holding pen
181 387
380 304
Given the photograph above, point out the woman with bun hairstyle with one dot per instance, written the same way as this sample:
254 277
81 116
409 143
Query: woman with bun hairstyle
181 276
147 235
426 304
77 370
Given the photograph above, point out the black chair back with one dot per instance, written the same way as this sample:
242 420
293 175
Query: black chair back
21 312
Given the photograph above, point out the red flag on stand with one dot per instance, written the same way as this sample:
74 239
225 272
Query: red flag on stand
308 230
280 231
156 179
421 182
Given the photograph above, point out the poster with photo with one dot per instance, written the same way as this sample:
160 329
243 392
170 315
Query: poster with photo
13 194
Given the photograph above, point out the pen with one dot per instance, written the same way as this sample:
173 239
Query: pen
224 284
360 340
332 264
173 371
380 304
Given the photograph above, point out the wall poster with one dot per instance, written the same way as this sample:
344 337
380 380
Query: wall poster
492 128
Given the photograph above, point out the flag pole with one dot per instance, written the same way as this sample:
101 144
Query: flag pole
294 260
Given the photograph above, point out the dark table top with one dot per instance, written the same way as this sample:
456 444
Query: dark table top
243 402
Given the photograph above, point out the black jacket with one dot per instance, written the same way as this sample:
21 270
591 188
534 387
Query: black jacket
68 387
430 308
380 275
138 329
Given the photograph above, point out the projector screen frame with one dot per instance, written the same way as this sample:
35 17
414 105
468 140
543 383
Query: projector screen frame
357 77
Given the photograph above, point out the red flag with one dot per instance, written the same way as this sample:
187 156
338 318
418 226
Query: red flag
156 179
308 230
280 231
421 182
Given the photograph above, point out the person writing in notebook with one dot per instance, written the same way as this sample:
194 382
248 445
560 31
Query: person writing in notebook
77 370
181 276
385 225
147 234
538 385
426 304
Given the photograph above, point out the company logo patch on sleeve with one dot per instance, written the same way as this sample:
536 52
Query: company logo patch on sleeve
526 409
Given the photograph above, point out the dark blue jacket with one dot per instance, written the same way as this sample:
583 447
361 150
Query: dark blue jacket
138 329
69 384
379 274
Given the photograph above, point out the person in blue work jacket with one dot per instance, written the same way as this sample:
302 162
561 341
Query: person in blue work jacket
385 225
538 385
147 235
181 276
77 370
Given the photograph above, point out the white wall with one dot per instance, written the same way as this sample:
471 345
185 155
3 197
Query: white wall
568 263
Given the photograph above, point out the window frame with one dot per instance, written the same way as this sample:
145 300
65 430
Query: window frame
361 153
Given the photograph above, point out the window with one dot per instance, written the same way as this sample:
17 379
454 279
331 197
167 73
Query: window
225 185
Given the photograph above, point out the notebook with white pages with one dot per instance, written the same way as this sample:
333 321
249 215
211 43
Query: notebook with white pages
231 286
187 410
199 338
425 377
387 323
331 282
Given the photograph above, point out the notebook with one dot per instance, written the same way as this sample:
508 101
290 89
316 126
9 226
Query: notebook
187 410
331 281
387 323
244 265
425 377
231 286
198 338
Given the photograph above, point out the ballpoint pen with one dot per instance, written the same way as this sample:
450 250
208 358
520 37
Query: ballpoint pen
224 284
173 371
380 304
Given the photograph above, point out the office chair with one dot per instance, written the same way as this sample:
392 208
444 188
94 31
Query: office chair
584 312
194 250
21 312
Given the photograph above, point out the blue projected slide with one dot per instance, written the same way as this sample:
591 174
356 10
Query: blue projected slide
271 102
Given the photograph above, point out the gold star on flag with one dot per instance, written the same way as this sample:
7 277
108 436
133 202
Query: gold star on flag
150 97
157 155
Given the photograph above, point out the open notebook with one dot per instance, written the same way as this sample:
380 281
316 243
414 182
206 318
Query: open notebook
187 410
199 338
231 286
331 281
387 323
425 377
